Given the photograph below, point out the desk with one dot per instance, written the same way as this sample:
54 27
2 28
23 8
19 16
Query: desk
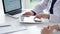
15 25
33 29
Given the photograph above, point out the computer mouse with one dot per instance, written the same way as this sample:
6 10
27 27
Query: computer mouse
37 20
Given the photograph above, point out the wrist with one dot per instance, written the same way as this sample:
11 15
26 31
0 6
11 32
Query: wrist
58 28
33 12
48 16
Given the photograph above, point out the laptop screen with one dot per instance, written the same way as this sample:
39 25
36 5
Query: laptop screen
10 5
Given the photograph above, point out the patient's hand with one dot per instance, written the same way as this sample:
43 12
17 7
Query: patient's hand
56 27
47 30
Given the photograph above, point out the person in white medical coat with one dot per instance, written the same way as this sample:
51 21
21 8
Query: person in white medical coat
46 4
52 6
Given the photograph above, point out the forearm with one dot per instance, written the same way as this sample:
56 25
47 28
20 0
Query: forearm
40 7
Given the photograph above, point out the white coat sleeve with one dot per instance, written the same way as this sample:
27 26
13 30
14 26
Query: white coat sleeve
40 7
54 18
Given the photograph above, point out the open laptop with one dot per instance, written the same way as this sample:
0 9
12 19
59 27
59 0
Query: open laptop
12 8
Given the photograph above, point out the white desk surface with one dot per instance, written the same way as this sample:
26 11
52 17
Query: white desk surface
30 28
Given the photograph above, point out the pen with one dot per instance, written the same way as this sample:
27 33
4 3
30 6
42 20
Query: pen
5 26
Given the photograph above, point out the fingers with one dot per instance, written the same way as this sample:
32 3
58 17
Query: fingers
38 16
42 16
56 26
53 27
27 14
46 30
50 28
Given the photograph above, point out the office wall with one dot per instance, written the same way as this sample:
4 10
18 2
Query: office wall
26 4
1 7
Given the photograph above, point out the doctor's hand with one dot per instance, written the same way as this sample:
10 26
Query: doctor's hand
42 16
27 14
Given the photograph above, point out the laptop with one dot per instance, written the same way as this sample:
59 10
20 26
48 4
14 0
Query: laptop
12 8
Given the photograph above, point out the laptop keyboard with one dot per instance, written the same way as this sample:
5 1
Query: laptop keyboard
14 12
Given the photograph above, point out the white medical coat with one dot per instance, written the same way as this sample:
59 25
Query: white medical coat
46 4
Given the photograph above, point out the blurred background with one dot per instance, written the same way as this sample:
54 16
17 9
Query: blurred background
29 4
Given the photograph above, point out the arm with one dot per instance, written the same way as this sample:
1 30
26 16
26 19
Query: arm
40 7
